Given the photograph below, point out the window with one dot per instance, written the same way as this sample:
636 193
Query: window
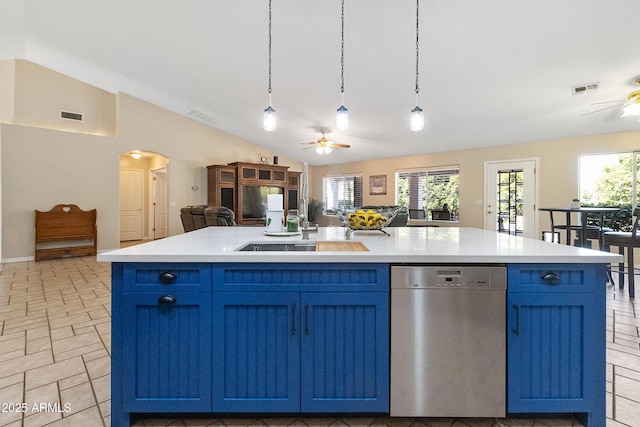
611 180
342 192
432 191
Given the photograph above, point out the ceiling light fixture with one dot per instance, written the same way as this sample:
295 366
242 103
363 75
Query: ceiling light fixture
324 149
632 109
342 114
417 116
136 154
269 118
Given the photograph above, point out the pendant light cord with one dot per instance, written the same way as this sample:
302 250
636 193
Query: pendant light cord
342 53
269 52
417 45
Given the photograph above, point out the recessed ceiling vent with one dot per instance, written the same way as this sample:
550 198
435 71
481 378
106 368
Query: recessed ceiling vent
203 117
71 116
584 89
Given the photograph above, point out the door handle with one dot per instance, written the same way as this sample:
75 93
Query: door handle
517 328
306 319
293 319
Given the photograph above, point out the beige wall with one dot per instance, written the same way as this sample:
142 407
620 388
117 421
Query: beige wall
40 95
40 168
7 79
558 174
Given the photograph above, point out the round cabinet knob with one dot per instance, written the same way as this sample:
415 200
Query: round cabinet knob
167 278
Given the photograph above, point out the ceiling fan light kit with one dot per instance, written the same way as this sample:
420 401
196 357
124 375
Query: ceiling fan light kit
324 145
632 109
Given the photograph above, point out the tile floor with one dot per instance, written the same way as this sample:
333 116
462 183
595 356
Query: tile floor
55 343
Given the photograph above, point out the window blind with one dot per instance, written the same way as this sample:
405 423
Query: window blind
342 192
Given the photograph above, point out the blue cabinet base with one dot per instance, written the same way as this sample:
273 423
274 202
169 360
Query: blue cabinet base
334 310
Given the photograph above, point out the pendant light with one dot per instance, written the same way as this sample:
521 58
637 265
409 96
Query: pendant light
269 118
417 116
342 114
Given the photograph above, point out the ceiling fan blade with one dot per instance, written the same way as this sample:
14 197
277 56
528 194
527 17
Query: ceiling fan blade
306 148
602 109
620 101
334 145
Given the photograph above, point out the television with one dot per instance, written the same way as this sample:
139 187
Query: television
254 200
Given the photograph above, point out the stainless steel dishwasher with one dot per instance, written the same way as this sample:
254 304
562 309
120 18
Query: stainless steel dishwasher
448 341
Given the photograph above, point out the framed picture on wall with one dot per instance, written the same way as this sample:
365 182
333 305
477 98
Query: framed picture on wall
378 185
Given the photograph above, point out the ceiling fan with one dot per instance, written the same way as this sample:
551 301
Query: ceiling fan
324 145
631 105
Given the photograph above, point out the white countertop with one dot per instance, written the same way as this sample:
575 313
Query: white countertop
405 244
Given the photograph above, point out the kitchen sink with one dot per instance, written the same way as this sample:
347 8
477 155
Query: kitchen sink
278 247
302 246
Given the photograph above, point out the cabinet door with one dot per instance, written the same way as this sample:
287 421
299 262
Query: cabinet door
553 353
256 357
345 352
168 351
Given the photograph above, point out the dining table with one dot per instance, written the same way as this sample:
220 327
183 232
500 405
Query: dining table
581 226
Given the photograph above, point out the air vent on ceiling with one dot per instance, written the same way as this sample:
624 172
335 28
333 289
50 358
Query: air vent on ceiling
71 116
583 89
203 117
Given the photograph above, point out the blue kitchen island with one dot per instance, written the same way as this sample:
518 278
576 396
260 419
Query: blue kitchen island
199 327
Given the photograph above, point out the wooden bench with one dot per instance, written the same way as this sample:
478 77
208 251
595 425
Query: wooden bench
64 231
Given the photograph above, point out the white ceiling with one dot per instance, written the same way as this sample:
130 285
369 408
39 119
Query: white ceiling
492 72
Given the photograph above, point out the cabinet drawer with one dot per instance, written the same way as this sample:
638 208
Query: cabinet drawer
162 277
555 277
293 277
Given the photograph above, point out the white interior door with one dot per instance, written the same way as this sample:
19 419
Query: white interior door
159 203
511 197
131 204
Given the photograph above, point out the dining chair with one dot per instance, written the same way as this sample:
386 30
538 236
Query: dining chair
625 240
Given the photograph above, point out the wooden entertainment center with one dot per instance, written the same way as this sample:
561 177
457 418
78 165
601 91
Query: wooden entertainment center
241 186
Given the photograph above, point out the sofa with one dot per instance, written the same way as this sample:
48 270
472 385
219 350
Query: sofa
195 217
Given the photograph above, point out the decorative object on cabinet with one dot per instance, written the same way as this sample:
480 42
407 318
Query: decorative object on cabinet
378 185
243 188
65 230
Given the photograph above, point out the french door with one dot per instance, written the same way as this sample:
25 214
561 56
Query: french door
511 197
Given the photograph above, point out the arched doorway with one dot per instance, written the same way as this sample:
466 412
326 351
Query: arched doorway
144 189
